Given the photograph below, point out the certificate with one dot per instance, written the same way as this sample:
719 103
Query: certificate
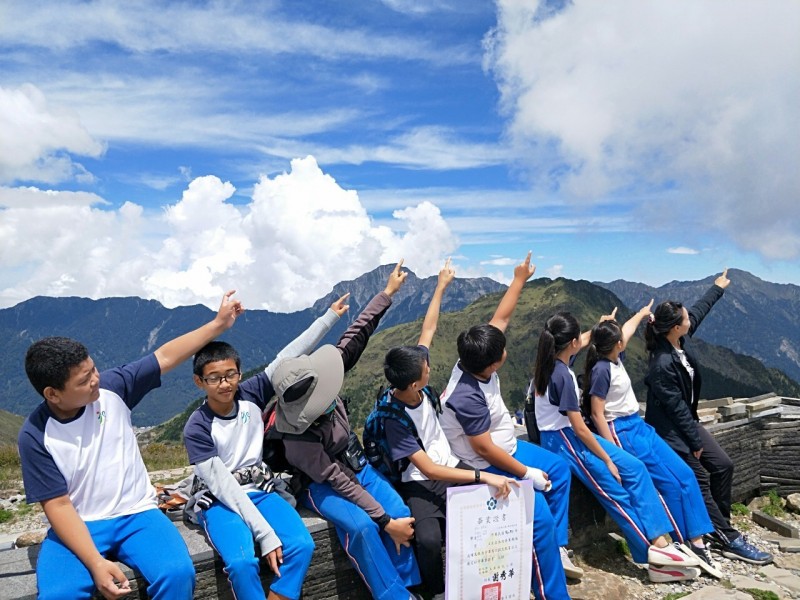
489 543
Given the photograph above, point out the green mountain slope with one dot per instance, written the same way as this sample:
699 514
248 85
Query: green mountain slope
10 425
725 373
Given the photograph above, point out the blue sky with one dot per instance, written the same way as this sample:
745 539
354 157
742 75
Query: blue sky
174 151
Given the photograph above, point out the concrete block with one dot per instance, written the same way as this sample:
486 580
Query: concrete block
763 404
715 403
732 410
775 524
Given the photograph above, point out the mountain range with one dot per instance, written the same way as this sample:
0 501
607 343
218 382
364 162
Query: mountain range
117 330
725 373
754 317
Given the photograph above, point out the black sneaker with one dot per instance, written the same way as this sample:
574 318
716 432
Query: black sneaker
741 549
706 563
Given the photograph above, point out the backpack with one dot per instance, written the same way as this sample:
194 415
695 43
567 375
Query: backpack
376 447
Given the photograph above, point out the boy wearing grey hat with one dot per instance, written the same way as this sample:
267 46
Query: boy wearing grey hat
371 520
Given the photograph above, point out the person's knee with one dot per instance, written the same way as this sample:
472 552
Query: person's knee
303 546
240 564
429 538
180 570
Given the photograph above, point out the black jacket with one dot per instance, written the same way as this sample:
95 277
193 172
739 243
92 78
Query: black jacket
672 395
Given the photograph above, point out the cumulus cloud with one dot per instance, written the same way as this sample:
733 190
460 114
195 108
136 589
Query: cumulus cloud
555 271
34 137
699 98
682 250
299 235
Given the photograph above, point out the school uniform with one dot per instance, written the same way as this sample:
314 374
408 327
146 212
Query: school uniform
93 458
634 505
674 480
472 407
237 440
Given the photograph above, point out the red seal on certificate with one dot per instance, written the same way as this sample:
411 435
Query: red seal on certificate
490 591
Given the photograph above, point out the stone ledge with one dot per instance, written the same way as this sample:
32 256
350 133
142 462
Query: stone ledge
330 574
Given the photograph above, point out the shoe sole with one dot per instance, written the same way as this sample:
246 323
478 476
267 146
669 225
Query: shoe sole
662 557
661 575
574 573
710 569
734 556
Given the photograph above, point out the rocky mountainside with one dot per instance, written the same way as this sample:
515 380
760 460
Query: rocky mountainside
754 317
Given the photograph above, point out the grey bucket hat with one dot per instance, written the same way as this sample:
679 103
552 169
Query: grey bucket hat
306 386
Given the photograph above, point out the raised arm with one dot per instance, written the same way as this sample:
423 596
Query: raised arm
311 337
502 315
431 320
174 352
586 336
354 340
629 328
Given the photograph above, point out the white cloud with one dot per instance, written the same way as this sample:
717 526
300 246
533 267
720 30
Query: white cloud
237 28
500 261
300 234
682 250
33 135
555 271
698 97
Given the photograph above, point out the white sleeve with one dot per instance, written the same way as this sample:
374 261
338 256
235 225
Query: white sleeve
221 483
306 341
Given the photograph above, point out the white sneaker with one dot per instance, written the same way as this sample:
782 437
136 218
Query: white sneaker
670 556
570 570
667 574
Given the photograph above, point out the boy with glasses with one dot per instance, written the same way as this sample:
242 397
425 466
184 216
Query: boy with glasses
224 439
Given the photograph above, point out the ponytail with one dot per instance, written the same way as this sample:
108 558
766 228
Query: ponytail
545 362
558 333
592 357
665 317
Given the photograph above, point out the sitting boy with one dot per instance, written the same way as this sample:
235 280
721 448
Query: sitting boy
372 523
224 438
477 422
432 467
80 459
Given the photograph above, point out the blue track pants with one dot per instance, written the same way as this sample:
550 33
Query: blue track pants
372 551
635 505
148 542
673 478
232 538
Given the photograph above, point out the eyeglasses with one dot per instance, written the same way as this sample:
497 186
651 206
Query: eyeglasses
230 377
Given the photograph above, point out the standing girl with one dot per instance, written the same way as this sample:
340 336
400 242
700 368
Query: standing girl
618 480
608 396
673 391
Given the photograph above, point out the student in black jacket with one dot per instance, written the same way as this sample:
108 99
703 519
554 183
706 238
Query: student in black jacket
673 389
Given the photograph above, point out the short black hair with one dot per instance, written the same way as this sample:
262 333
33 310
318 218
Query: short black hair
480 347
49 361
403 365
214 352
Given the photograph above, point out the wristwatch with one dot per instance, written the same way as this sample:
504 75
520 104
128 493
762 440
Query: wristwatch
477 475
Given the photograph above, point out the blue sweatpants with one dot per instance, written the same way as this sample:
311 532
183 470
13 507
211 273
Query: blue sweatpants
673 478
232 538
550 520
372 551
148 542
635 505
557 499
